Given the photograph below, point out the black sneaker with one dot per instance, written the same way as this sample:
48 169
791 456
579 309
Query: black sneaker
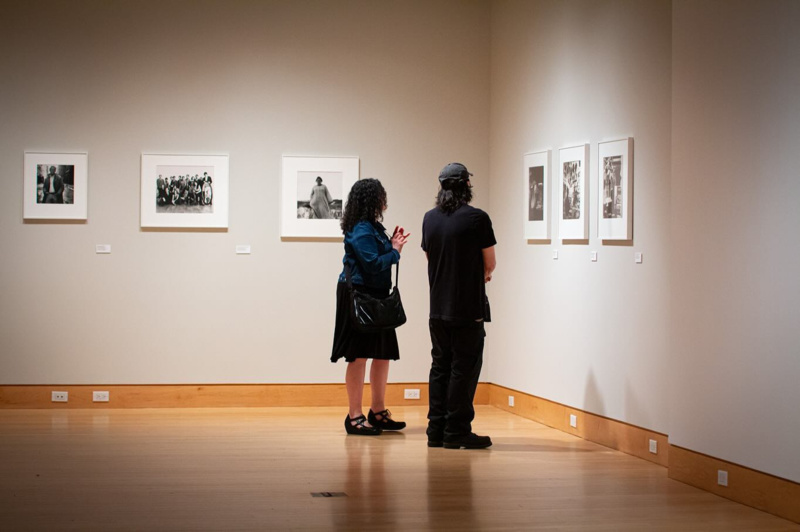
468 441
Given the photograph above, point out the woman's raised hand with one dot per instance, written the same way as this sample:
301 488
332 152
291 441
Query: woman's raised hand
399 238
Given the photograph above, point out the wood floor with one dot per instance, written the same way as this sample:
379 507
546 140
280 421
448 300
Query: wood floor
256 468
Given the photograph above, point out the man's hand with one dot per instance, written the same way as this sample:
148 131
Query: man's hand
489 263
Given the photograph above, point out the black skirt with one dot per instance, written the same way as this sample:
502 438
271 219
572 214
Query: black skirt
350 343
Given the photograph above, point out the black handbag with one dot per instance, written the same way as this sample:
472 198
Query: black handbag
370 313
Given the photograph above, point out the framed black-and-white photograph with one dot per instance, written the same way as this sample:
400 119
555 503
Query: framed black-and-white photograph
55 186
184 191
615 190
536 182
573 219
313 193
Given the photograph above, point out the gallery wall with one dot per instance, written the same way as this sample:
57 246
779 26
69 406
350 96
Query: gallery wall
592 335
700 340
735 353
254 80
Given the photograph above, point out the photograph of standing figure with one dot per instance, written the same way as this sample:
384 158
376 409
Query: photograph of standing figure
612 187
55 186
313 190
320 201
572 190
319 195
55 183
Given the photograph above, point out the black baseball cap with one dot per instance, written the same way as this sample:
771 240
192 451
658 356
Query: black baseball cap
454 171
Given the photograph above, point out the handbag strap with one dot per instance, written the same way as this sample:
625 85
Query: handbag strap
347 276
349 279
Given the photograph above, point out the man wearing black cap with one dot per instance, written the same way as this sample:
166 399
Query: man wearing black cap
459 242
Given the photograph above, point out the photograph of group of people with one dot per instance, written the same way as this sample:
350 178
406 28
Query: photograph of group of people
612 187
55 183
319 195
572 190
185 189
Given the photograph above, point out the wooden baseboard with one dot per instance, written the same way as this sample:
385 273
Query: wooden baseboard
200 395
611 433
208 395
747 486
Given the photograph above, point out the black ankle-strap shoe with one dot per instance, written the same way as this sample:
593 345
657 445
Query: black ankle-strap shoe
385 422
358 427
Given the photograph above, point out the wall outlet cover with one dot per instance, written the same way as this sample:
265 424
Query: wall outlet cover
59 397
411 393
100 397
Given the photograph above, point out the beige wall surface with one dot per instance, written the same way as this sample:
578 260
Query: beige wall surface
589 335
386 82
735 286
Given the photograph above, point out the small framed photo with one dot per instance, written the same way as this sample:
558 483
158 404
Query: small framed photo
184 191
615 190
55 186
537 194
573 220
313 193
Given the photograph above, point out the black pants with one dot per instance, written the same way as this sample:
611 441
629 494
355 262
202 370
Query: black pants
457 357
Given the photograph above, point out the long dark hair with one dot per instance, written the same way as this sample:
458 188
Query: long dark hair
453 193
366 201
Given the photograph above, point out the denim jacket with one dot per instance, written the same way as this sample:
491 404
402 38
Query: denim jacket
370 255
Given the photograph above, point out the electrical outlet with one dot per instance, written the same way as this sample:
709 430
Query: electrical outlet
59 397
510 400
573 421
722 477
100 397
654 446
411 393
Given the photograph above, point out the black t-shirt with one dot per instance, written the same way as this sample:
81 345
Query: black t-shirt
454 244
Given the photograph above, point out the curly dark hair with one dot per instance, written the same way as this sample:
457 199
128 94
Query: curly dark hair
366 201
453 194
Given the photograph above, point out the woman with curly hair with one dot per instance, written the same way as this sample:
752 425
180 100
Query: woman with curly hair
369 254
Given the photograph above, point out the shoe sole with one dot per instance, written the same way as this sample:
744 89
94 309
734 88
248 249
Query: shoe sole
363 433
465 446
435 444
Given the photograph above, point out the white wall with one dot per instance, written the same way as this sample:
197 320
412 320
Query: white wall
735 355
590 335
383 81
